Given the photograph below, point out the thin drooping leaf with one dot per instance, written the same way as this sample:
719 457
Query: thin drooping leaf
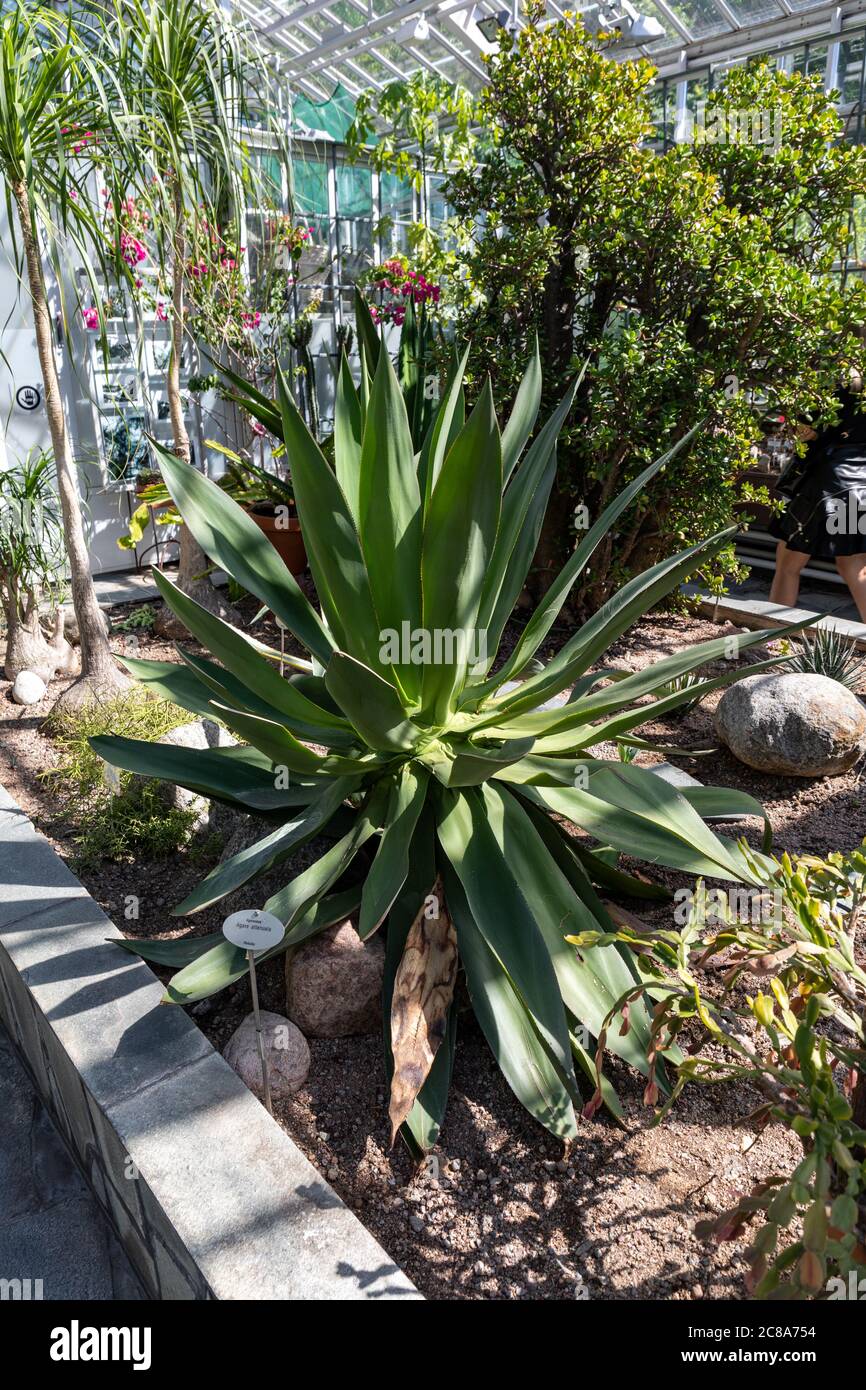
420 1004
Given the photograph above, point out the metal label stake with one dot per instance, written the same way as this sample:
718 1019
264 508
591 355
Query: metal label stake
266 1080
255 931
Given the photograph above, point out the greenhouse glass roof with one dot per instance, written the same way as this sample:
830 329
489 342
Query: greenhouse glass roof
347 45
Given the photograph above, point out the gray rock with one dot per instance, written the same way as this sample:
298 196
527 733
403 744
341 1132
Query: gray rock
798 725
28 688
334 984
287 1056
200 734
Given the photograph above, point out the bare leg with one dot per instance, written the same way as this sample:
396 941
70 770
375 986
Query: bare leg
853 570
786 581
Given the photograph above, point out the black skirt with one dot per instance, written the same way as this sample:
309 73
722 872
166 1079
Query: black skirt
826 513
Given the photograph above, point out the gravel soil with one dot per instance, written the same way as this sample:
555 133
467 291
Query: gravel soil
499 1210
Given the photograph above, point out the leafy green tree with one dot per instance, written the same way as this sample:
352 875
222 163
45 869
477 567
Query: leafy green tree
698 283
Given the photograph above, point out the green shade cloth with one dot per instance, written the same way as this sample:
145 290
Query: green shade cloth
333 116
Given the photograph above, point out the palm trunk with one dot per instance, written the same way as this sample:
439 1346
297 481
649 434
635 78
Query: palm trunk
99 672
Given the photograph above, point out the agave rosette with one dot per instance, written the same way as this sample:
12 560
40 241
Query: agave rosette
451 773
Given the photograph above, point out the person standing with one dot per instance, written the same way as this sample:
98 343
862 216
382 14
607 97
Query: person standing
825 516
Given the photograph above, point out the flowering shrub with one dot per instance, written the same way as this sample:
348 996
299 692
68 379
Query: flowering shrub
396 283
290 236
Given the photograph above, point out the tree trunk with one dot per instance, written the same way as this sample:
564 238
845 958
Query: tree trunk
192 561
99 672
27 648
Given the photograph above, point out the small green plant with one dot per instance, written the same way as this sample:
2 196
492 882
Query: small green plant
799 1044
680 686
828 653
140 620
120 815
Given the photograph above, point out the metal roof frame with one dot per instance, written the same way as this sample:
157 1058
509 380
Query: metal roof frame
322 44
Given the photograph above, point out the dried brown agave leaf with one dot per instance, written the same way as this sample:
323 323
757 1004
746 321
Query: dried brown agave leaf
423 990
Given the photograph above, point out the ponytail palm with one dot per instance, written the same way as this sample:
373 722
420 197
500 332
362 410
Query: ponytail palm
47 137
463 786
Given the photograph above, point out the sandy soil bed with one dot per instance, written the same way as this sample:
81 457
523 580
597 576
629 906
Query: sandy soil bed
499 1210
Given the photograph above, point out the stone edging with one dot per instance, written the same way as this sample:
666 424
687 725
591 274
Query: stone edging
208 1195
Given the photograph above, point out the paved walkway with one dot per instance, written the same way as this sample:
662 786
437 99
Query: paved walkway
51 1227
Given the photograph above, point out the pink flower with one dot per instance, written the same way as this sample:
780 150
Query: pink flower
160 312
258 427
91 319
251 321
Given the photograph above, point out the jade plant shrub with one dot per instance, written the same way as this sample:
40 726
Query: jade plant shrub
126 816
455 776
698 281
799 1041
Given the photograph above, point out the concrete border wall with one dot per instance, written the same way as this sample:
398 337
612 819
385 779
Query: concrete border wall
208 1195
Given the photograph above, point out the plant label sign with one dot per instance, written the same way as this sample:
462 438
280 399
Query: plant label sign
253 930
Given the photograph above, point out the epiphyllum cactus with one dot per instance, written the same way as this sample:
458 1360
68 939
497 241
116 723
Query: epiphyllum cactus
459 785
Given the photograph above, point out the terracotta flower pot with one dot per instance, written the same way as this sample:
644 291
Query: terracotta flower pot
286 539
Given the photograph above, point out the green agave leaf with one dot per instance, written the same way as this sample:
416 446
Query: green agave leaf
331 540
590 984
459 534
246 669
729 802
307 720
371 704
298 896
548 610
447 425
619 725
390 511
171 681
648 820
634 599
504 918
523 511
223 963
523 416
255 859
464 764
369 342
252 394
234 541
212 772
652 678
348 434
617 881
181 951
284 750
507 1023
391 865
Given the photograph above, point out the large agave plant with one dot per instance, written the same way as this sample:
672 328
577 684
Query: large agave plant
462 779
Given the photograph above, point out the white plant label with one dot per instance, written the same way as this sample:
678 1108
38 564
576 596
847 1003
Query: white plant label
253 930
